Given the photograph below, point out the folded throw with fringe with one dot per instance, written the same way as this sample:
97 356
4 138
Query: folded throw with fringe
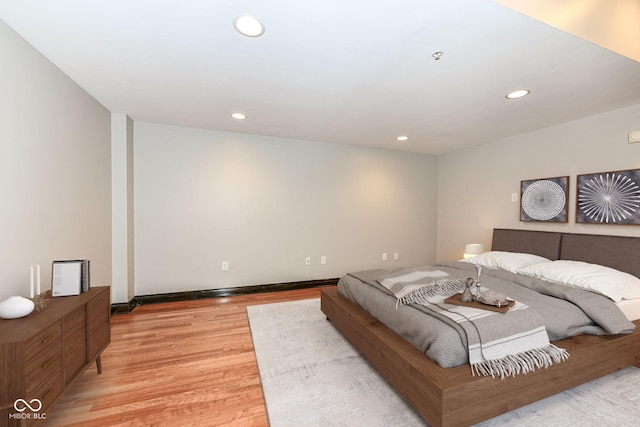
411 285
499 344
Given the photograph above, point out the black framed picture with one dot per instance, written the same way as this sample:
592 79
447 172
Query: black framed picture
544 199
609 198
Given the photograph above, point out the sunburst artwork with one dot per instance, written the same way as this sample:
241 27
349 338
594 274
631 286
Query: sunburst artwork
544 199
609 197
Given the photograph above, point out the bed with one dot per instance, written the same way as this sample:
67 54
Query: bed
452 396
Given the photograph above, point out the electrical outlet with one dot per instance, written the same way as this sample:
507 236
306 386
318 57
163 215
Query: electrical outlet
225 265
514 197
307 261
396 256
323 259
384 256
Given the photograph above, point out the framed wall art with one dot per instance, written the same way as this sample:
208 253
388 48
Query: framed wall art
544 199
609 197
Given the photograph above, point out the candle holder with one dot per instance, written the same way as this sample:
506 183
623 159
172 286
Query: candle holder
477 282
39 301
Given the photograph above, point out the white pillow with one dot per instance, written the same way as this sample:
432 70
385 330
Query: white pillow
609 282
509 261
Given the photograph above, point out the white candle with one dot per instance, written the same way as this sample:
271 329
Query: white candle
38 280
31 283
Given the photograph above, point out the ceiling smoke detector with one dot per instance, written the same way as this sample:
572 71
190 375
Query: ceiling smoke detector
437 55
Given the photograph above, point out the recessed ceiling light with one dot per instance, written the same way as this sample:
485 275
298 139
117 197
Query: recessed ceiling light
239 116
248 26
517 94
402 138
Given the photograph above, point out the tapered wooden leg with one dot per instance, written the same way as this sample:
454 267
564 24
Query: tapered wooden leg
99 365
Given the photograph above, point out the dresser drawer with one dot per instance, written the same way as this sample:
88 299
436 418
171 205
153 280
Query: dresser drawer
42 339
42 365
48 391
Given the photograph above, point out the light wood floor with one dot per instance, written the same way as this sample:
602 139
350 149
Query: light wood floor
175 364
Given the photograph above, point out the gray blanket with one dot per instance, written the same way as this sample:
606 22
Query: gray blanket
567 311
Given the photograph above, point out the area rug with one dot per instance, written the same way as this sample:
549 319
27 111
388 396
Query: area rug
312 376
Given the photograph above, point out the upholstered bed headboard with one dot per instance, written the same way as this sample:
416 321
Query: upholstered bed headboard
619 252
543 243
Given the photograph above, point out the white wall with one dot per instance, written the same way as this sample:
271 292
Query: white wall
475 184
264 204
55 186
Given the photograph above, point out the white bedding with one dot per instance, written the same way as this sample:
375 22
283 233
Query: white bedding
622 288
630 308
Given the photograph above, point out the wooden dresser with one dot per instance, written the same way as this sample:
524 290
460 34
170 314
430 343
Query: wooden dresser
43 353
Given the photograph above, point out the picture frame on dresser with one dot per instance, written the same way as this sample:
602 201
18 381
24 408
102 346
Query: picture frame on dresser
70 277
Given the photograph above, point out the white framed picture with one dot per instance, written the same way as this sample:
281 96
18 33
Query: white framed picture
66 278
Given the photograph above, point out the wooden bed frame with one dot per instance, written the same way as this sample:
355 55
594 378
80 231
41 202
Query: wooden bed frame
452 396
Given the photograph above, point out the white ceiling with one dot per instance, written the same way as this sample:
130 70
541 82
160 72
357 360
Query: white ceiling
612 24
343 71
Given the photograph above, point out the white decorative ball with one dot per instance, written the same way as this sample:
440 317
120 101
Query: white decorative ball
14 307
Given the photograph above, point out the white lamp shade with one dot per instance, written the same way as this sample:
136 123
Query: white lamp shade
473 249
